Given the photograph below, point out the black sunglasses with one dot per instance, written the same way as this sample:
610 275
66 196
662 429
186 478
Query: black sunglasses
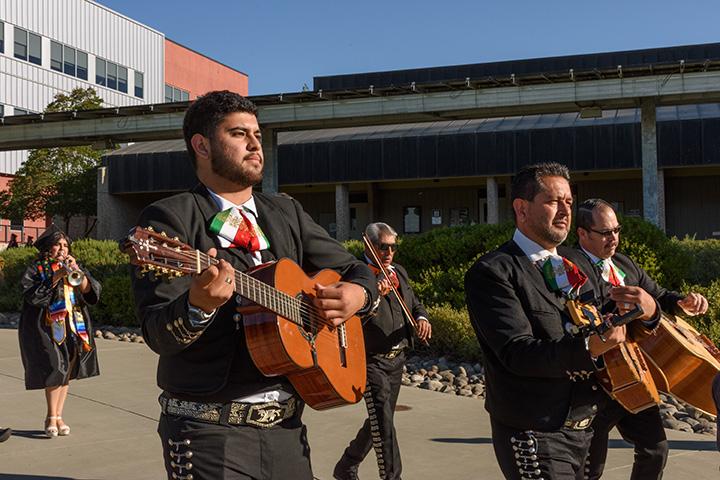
607 233
384 247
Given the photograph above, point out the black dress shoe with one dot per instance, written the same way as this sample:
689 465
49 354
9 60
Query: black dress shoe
5 434
345 471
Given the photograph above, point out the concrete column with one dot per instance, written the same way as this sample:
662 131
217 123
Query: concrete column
493 202
653 201
270 174
113 220
342 211
372 203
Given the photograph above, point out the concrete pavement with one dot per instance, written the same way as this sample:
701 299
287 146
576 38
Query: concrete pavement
114 417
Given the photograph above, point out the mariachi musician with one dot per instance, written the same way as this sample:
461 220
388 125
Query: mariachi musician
598 233
388 334
221 417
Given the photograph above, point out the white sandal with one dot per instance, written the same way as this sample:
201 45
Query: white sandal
64 430
51 430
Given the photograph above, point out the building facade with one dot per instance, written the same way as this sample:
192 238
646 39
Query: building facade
49 47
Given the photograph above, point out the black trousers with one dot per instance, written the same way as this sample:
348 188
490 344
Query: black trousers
384 378
194 450
533 455
644 430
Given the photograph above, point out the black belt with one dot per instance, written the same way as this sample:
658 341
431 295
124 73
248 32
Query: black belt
262 415
391 354
581 424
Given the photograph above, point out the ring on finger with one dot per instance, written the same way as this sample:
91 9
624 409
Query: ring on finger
228 280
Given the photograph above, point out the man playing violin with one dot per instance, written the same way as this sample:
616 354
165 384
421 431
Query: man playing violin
598 233
388 334
221 417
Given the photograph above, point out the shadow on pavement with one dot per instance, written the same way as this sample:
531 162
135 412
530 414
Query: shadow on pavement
5 476
476 441
696 445
36 434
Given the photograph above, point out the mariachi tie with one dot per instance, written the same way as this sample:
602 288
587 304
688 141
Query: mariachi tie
562 275
235 226
611 273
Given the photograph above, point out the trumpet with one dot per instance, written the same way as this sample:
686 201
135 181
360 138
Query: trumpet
75 276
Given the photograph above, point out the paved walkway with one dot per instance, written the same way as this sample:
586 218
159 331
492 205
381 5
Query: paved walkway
114 417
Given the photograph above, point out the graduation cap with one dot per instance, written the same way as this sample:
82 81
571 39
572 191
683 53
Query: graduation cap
50 237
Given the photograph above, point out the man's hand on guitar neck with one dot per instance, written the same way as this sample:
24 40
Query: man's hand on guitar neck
693 304
214 286
627 297
339 301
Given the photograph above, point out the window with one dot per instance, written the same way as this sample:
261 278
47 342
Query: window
2 37
56 62
139 84
20 111
173 94
2 111
122 79
82 65
21 43
35 49
112 75
69 60
100 71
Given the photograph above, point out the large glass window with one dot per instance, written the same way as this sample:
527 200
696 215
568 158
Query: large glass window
112 75
168 94
35 49
100 77
69 60
139 86
122 79
21 43
56 62
82 65
20 111
2 110
2 37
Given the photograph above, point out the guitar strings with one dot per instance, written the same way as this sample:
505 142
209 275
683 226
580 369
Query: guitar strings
244 279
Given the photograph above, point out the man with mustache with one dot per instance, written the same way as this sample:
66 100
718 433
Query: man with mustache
541 391
598 232
221 418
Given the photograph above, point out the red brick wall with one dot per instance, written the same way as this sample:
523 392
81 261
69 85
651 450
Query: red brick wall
197 74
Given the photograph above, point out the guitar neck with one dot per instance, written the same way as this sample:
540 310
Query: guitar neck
258 292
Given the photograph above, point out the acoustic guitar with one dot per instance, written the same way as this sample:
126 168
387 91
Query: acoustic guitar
625 375
683 362
284 331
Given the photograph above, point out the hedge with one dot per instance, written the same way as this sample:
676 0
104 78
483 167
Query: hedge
436 261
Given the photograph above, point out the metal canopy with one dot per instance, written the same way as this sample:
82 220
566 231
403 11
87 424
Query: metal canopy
533 92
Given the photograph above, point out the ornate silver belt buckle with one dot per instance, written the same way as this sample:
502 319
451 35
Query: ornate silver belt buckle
266 415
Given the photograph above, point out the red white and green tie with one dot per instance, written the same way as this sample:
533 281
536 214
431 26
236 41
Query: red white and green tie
562 275
236 227
611 273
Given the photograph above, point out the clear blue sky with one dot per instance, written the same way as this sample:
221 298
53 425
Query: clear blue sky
282 44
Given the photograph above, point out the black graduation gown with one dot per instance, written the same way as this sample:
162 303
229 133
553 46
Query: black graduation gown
46 363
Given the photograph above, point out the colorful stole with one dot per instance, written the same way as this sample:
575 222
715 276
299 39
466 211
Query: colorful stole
562 275
234 226
63 308
611 273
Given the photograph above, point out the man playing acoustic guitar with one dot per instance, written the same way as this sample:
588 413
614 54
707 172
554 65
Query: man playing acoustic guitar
221 417
598 233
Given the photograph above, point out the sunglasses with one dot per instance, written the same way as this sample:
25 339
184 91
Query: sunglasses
384 247
607 233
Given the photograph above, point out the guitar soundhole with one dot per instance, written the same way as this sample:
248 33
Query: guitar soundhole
308 322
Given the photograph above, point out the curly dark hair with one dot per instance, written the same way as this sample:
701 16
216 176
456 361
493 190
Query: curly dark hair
207 111
46 242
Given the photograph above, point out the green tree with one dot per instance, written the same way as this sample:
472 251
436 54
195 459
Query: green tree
56 181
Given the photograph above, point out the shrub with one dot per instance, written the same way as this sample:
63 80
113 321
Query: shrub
452 333
708 324
438 286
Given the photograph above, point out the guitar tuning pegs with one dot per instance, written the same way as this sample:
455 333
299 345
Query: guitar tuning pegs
163 234
177 239
151 229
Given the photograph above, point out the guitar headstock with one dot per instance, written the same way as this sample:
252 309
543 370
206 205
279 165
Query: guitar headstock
159 254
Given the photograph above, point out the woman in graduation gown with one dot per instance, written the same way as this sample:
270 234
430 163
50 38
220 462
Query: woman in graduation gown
56 335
